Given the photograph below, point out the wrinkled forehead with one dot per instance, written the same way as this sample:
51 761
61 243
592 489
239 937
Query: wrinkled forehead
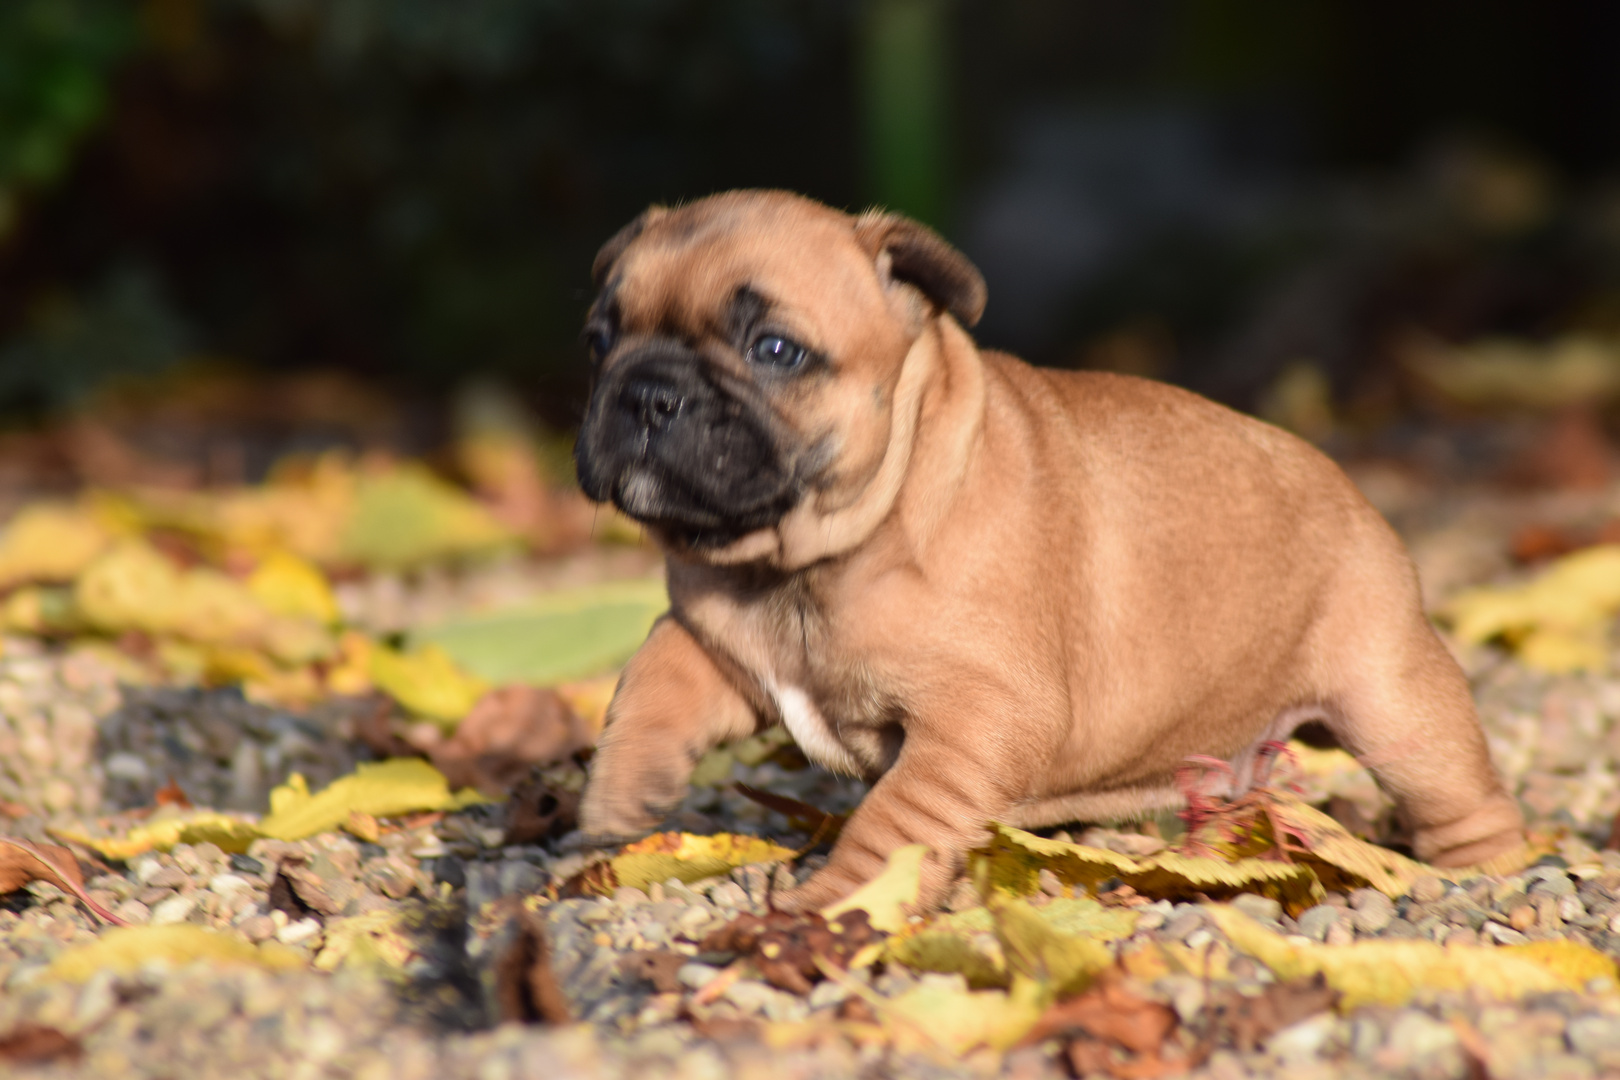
688 273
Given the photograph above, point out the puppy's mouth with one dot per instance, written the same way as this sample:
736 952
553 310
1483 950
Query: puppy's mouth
687 449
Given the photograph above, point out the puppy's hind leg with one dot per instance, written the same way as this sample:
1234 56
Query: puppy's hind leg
1405 710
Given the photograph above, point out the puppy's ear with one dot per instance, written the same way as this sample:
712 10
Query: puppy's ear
908 251
610 252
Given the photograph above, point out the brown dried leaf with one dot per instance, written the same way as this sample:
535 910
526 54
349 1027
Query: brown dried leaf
1247 1022
526 989
537 812
22 861
35 1044
507 732
657 966
171 794
785 948
801 815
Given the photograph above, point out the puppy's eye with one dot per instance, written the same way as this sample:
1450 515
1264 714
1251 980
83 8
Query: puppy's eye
599 341
778 352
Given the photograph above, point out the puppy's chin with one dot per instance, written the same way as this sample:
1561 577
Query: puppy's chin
683 524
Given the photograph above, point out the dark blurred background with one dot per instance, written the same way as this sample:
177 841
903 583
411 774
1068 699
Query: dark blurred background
1262 199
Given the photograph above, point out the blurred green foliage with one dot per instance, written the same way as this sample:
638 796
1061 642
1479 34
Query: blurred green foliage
56 57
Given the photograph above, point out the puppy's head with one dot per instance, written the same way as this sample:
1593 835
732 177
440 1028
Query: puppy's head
747 356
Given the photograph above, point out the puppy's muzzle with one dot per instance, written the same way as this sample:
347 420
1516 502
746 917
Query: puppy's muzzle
654 401
685 446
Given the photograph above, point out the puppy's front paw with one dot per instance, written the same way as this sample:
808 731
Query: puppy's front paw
825 887
608 817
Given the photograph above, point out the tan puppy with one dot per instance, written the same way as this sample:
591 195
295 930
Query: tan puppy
996 592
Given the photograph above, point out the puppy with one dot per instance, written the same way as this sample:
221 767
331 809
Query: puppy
995 592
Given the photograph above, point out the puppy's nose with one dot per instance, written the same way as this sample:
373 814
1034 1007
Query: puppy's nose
653 401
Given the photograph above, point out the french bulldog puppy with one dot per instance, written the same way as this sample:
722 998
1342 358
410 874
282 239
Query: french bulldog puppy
996 592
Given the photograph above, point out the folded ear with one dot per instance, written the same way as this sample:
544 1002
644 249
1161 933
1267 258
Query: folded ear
909 251
610 252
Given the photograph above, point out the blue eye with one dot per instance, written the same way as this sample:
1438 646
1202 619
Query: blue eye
778 352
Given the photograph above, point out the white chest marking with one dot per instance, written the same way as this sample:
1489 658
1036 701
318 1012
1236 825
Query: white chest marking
810 729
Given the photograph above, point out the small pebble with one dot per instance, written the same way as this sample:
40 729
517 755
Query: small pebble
1371 911
696 976
1428 889
1592 1035
247 864
1314 922
296 933
1263 908
1522 917
176 909
1503 935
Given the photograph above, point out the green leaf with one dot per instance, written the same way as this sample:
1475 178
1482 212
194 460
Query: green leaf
407 516
570 634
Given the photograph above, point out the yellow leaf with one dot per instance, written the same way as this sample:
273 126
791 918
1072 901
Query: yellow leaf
378 942
933 1015
942 949
426 681
691 858
288 585
1394 972
232 834
126 950
385 789
351 673
1574 963
49 542
1558 621
406 515
886 898
130 587
1013 860
1343 862
1063 963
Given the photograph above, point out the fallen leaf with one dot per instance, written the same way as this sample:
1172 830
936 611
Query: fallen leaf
126 950
889 898
1557 621
23 861
689 858
405 516
36 1044
1570 370
288 585
384 789
792 951
1246 1021
657 966
426 681
526 989
363 826
561 636
1111 1015
1013 859
937 1016
537 812
377 942
171 794
232 834
1572 454
1393 972
1062 963
965 942
508 731
49 542
822 826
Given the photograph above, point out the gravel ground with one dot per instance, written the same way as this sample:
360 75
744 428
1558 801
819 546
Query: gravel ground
75 743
